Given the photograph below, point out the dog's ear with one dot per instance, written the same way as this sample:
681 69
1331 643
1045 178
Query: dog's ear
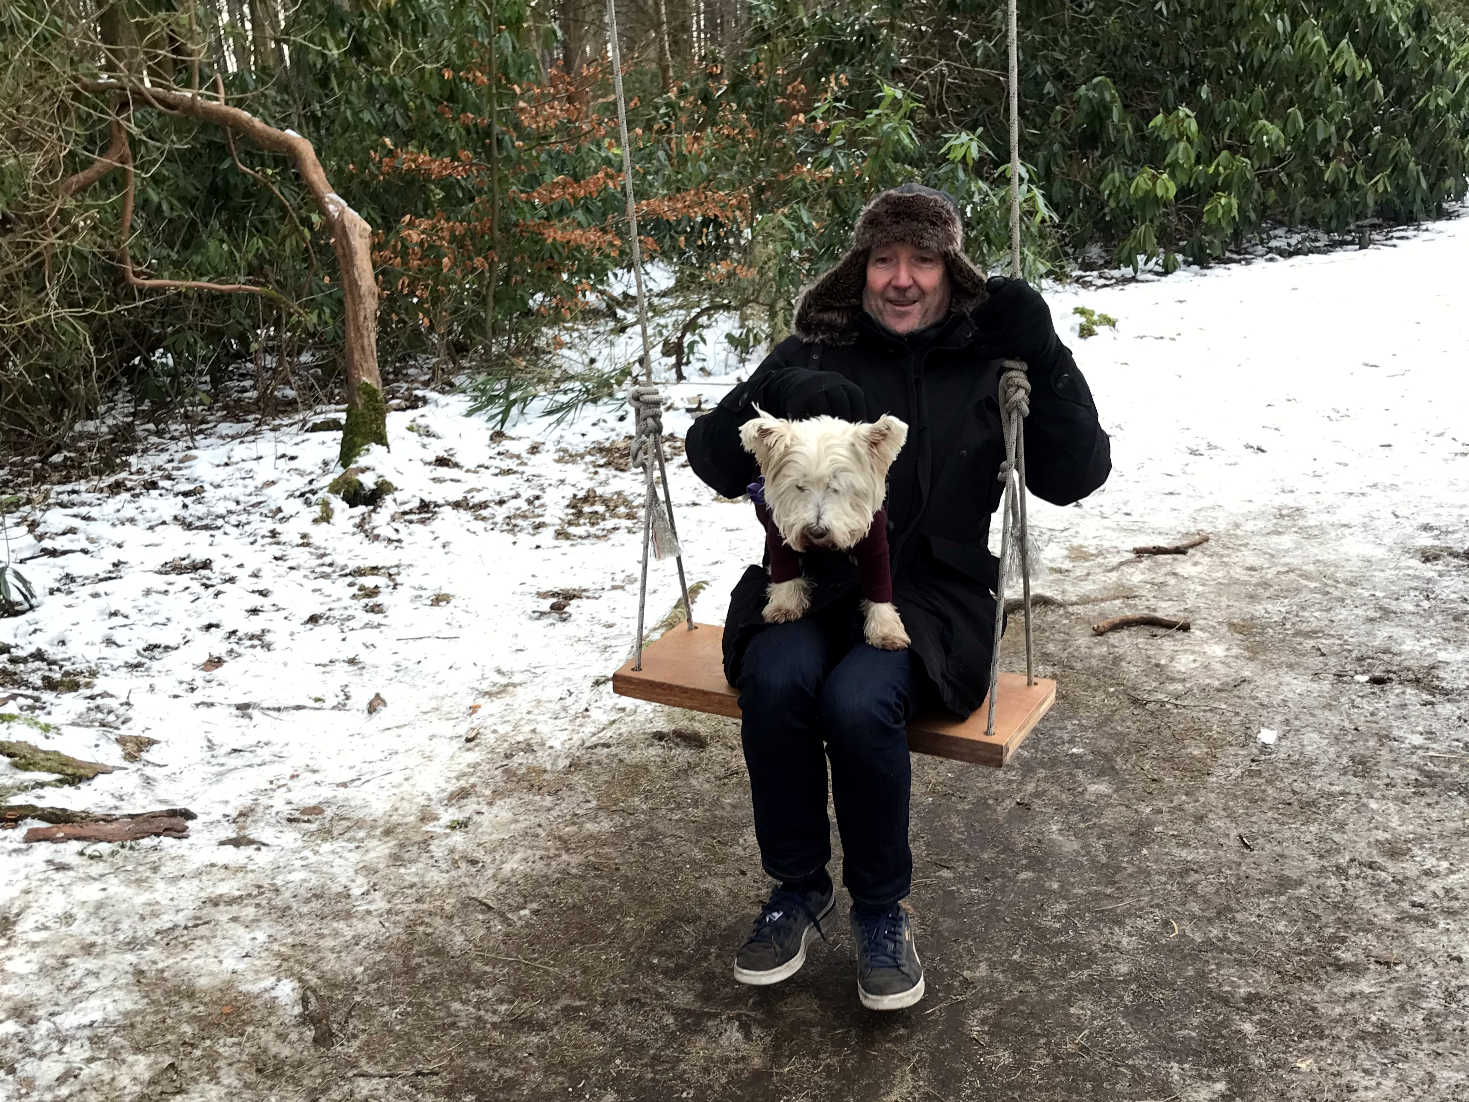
884 439
765 437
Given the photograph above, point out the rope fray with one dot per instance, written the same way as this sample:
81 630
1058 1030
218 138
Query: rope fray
647 404
1015 541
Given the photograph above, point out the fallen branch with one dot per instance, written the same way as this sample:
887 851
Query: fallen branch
13 814
250 705
1176 549
54 553
149 825
1124 903
1137 699
1139 619
23 755
412 1073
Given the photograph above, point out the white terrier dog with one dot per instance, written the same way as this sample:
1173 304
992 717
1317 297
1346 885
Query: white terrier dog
824 482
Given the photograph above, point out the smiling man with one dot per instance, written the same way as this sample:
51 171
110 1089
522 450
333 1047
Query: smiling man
907 287
904 324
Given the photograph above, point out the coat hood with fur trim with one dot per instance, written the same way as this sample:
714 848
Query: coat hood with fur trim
827 311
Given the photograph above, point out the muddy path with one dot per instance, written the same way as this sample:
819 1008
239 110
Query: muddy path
1149 903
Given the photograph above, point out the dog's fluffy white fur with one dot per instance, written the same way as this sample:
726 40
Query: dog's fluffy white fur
825 479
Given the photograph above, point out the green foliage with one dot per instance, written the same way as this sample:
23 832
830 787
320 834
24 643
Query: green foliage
507 387
1155 131
16 594
29 721
1217 116
1090 319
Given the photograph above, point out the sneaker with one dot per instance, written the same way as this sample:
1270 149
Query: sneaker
776 948
889 975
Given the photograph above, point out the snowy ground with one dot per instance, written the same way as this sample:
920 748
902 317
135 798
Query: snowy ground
416 899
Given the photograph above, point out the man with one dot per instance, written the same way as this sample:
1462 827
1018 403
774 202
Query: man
904 324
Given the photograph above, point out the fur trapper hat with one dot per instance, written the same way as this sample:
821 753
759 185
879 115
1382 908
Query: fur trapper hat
919 216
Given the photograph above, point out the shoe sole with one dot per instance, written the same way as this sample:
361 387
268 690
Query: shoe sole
790 967
891 1002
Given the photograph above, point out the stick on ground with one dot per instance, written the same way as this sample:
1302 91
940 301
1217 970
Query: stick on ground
1139 619
11 814
121 830
1176 549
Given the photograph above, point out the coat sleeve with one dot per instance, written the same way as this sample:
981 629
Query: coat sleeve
1067 455
713 444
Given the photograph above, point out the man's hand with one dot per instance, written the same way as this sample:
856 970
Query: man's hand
798 392
1015 322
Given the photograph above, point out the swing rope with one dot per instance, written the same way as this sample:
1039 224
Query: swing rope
1014 407
647 448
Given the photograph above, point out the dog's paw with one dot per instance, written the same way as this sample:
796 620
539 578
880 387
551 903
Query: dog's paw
883 627
787 601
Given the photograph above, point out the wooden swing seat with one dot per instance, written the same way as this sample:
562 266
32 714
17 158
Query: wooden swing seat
685 669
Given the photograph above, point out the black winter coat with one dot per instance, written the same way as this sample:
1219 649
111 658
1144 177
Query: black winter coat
942 489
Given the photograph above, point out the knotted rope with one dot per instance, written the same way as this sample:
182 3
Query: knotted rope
1014 407
647 447
646 453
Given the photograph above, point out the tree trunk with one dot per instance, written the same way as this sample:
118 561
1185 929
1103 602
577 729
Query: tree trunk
120 40
573 36
492 273
367 411
238 36
265 47
665 53
351 239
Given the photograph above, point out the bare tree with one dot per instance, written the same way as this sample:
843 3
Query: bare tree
351 236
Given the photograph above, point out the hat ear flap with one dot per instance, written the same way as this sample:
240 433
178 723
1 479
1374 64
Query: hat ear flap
766 438
883 440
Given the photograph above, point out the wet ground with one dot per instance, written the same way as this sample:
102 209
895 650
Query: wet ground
1149 903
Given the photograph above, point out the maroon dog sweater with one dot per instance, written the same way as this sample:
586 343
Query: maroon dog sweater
874 570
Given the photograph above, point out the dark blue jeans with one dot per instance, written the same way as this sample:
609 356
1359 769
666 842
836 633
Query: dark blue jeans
799 698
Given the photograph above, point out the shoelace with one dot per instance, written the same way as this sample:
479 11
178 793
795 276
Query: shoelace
781 903
882 937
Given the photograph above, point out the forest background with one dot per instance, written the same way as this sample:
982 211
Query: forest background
148 249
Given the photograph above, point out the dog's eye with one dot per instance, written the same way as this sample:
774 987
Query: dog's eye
801 487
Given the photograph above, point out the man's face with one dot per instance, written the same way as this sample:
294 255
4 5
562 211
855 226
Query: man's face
907 287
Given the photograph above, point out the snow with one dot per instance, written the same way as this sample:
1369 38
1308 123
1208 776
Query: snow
1314 399
336 206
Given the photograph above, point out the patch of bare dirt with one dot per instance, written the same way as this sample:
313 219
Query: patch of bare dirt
1150 903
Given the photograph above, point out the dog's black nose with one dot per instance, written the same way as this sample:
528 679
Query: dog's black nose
818 532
